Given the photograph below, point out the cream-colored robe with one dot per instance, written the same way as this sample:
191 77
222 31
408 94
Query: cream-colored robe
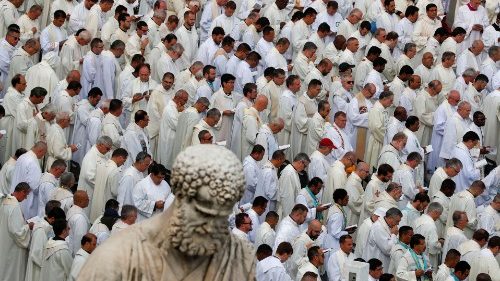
377 124
57 147
301 118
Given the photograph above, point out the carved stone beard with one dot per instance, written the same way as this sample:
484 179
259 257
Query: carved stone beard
197 235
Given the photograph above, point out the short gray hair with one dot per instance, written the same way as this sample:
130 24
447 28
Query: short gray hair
276 121
105 140
177 48
462 104
301 157
213 113
141 156
105 104
393 212
435 207
66 179
127 211
62 115
469 72
48 108
392 186
408 47
453 163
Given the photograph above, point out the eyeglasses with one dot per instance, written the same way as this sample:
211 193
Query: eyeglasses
14 37
350 82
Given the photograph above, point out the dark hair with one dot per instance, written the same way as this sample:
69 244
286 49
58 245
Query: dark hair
339 194
59 226
416 239
115 104
259 201
239 219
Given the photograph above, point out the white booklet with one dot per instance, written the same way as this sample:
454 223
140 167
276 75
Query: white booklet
428 149
221 143
283 147
480 164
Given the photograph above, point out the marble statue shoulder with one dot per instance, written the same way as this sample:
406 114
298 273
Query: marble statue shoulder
190 241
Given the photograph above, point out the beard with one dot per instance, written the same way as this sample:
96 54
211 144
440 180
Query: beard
197 235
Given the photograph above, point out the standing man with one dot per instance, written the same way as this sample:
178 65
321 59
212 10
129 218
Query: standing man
382 237
377 124
289 184
28 170
16 234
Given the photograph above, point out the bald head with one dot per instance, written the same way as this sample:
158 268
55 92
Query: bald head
477 47
362 166
81 199
453 97
260 103
314 225
73 75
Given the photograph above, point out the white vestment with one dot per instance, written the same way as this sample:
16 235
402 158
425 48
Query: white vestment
146 193
15 240
464 201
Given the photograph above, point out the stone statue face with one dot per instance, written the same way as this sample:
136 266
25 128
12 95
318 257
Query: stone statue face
207 180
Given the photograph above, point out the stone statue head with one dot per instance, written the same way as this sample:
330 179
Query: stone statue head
207 180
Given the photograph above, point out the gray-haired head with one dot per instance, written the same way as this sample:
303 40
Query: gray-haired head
162 14
213 113
197 64
61 116
141 156
393 213
457 215
470 72
435 207
66 180
408 47
204 101
128 211
492 52
177 48
48 108
392 186
301 157
453 163
463 104
105 140
104 104
85 35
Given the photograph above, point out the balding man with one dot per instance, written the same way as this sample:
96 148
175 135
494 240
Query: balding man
306 108
356 193
73 50
441 115
78 220
266 137
28 170
73 75
168 128
424 107
251 124
304 241
444 71
22 58
424 69
455 128
357 115
470 58
29 23
407 98
88 245
337 176
58 148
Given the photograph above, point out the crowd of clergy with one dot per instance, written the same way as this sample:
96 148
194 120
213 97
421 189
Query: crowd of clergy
367 130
